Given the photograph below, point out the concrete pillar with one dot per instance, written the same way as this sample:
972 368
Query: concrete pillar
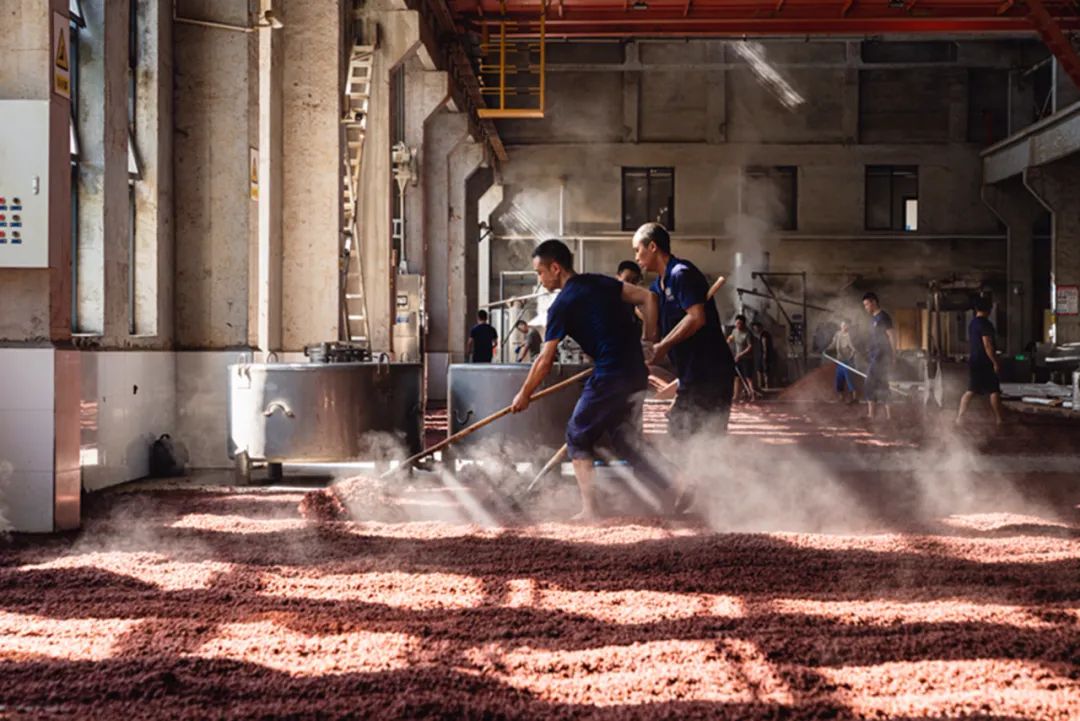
399 36
1018 210
269 255
1055 185
463 162
215 128
849 118
426 91
444 132
489 201
632 95
311 170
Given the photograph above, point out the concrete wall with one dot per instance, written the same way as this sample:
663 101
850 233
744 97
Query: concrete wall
707 110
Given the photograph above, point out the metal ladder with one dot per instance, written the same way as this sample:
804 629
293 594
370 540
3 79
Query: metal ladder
354 317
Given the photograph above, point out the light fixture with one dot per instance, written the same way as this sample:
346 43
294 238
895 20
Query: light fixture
640 5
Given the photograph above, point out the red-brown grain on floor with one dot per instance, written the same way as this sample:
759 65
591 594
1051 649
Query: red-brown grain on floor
227 604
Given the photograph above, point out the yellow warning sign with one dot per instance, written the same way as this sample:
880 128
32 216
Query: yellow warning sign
61 74
62 53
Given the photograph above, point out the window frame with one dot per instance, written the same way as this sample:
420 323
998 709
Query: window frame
649 170
775 172
891 171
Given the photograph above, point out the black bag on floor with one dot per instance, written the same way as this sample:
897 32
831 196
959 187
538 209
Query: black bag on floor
167 458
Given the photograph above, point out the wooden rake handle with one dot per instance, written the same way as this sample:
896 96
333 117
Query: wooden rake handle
487 421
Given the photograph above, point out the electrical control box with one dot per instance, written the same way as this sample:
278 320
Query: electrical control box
24 184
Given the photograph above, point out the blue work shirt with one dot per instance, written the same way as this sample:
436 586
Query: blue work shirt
880 348
704 358
977 330
590 309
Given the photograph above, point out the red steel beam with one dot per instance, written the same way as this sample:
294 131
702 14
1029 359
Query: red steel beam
1049 30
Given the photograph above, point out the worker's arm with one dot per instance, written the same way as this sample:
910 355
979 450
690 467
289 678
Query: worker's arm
988 346
691 323
540 368
891 335
468 348
647 303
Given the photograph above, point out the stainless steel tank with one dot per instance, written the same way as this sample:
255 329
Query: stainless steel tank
477 390
322 412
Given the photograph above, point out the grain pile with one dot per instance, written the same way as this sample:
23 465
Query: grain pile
228 604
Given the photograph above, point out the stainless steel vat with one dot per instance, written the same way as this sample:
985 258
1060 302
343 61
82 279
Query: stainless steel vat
477 390
322 412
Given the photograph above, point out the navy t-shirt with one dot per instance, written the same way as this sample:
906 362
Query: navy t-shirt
977 330
590 309
483 337
880 348
704 358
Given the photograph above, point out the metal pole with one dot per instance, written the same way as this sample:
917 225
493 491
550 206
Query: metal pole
806 328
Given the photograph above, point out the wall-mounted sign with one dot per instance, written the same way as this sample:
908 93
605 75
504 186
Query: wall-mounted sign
61 53
253 172
1067 299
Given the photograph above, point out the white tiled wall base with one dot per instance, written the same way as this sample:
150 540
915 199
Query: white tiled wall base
27 425
201 402
128 400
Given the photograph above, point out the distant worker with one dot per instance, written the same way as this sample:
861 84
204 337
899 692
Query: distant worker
482 340
984 371
529 348
591 309
629 272
881 351
692 335
742 345
844 351
764 354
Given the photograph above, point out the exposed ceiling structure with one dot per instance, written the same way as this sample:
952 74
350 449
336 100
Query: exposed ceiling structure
720 18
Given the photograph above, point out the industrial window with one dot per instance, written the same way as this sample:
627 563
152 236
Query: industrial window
75 13
648 196
771 194
892 197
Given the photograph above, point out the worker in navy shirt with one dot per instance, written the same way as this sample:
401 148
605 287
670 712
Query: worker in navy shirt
692 335
591 309
482 340
880 351
983 367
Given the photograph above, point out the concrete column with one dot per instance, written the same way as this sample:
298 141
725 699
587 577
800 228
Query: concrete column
1017 209
464 159
445 130
215 128
489 201
1055 187
116 220
849 118
311 171
425 92
716 106
958 105
399 36
632 95
269 290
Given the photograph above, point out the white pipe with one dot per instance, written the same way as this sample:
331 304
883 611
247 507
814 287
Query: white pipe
562 207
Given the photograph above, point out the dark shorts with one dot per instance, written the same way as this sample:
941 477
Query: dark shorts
609 405
701 409
746 367
983 380
876 387
844 381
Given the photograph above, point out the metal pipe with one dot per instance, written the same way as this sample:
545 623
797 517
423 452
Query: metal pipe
513 300
622 237
789 301
806 325
842 364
